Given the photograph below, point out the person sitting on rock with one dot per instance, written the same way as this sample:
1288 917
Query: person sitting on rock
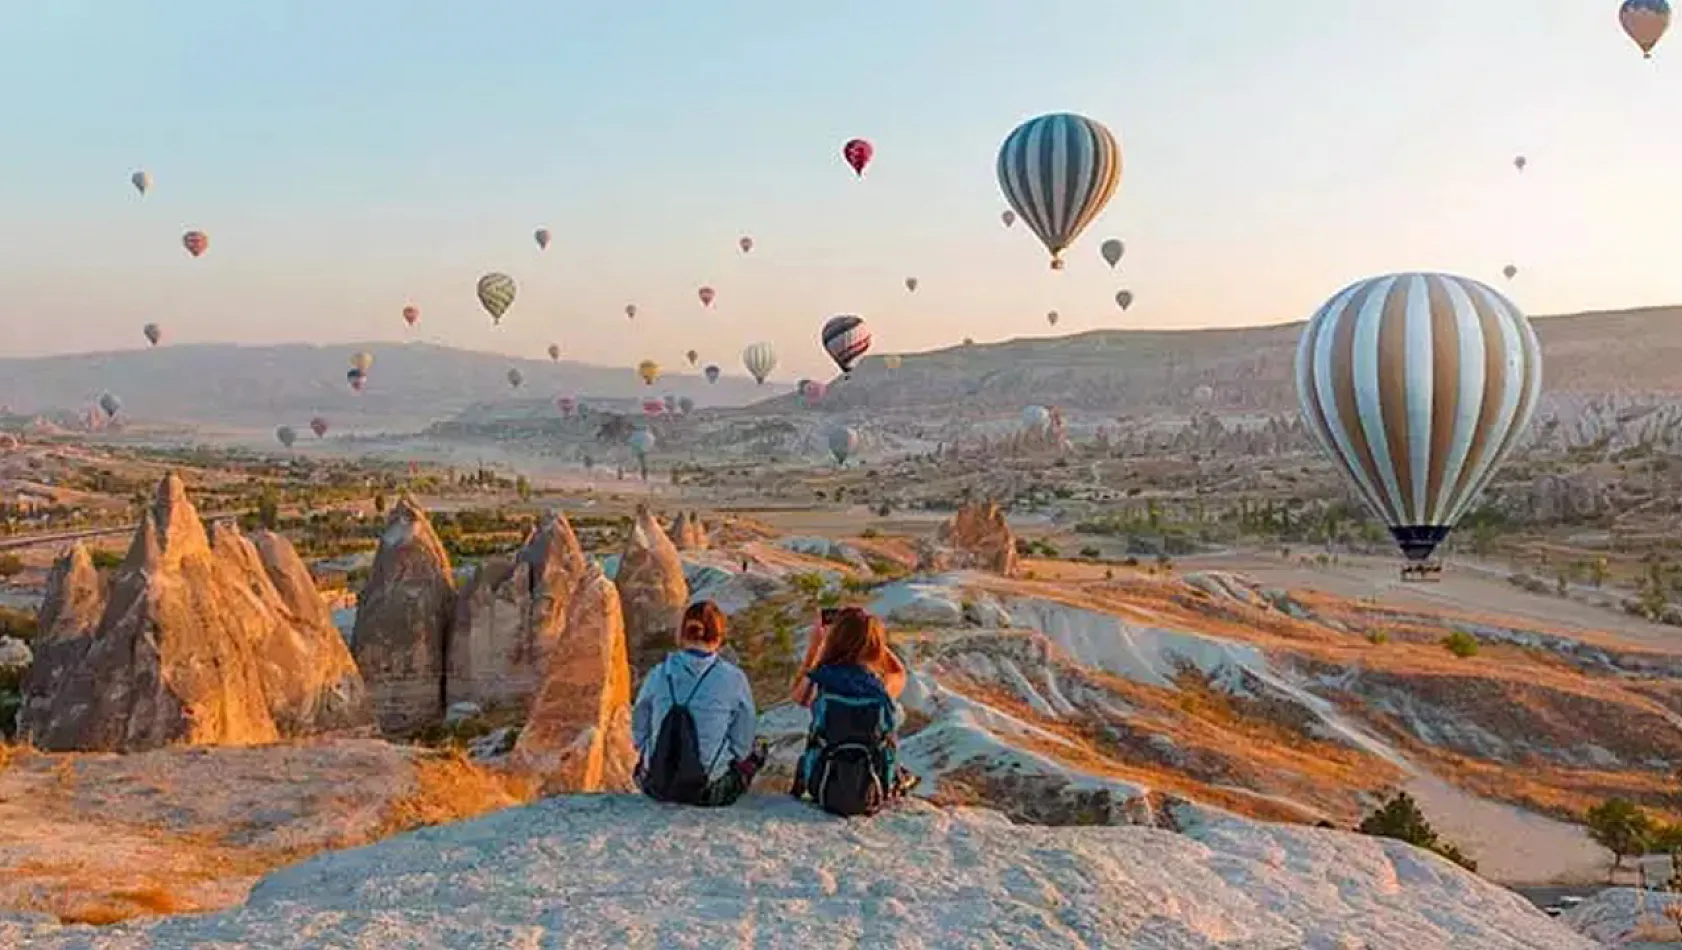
693 723
851 681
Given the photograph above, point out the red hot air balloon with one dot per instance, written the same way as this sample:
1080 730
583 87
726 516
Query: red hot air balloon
318 425
411 314
652 407
566 404
857 152
746 244
196 242
707 294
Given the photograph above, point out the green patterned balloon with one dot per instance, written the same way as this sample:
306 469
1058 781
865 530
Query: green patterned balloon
496 295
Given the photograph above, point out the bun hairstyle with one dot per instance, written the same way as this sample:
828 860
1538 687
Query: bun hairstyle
703 626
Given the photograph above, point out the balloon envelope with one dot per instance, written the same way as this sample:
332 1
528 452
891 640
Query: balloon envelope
1645 22
745 243
692 357
541 236
843 442
362 361
153 333
1051 317
846 338
554 352
110 404
286 435
706 294
642 441
759 359
1418 385
496 294
515 378
318 425
857 154
1112 251
1036 417
1058 171
911 284
196 242
712 373
411 314
649 371
141 180
1124 299
631 311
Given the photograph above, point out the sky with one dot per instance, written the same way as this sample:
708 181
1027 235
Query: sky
347 157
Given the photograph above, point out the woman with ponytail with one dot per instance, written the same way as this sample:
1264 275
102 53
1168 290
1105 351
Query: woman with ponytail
693 723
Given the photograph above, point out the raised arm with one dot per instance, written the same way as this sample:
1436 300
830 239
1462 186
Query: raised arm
893 673
802 690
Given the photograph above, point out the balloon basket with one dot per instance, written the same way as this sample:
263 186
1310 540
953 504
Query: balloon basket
1422 572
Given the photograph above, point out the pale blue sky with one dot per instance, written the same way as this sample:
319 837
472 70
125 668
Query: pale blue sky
348 156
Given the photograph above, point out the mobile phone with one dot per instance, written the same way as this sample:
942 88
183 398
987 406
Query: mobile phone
828 615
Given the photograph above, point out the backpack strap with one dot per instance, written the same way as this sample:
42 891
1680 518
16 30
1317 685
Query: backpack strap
671 688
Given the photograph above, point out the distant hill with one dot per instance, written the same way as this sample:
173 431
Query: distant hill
411 384
1249 368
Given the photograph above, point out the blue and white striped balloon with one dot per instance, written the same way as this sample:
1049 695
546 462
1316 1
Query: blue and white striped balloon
1058 171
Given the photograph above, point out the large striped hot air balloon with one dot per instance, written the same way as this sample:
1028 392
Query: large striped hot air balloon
496 295
759 359
1417 386
1645 22
1058 171
846 338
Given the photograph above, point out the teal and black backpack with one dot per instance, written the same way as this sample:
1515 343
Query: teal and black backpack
850 766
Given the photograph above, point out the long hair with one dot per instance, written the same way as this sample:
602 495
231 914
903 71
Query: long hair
704 625
857 638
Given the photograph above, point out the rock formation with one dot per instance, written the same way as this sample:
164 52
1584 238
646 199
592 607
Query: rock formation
403 620
75 599
652 590
689 533
578 735
172 659
976 538
509 616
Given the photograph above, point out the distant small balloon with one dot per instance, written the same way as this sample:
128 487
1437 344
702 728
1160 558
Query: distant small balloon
496 295
1112 251
649 371
857 153
566 404
362 361
745 243
411 314
1510 271
631 311
1520 162
692 356
554 352
911 284
141 180
541 236
515 378
706 294
1124 299
1645 22
1051 317
686 405
1008 217
196 242
287 435
318 425
712 373
110 404
153 333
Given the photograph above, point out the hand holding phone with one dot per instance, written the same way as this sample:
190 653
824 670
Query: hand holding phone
827 616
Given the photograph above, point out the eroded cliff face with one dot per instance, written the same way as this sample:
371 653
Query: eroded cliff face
403 620
69 615
652 590
509 617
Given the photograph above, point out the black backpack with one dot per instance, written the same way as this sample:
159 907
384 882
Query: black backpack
675 772
850 766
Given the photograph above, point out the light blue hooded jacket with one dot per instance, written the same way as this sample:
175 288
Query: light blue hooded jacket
723 707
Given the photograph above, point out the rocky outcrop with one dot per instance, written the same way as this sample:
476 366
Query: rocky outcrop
312 684
577 737
172 658
69 615
977 538
509 617
689 533
652 590
403 620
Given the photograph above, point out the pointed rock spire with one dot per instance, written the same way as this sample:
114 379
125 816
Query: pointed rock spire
69 615
403 619
652 591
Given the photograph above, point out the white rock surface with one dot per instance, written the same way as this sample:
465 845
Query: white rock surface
621 871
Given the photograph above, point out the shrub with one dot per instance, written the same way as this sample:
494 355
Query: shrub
1378 638
1400 819
1091 553
1461 644
105 560
10 565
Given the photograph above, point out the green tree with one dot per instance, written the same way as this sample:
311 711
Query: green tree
268 509
1461 644
10 565
1400 818
1598 571
1621 827
523 487
379 503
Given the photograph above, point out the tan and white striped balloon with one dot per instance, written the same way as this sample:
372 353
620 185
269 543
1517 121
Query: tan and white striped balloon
1418 386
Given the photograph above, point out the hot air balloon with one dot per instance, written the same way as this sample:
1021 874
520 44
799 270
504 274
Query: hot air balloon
515 378
686 405
649 371
911 284
1058 171
642 441
153 333
706 294
1112 251
653 406
141 180
846 338
566 404
1008 217
891 362
1417 386
363 361
196 242
318 425
692 357
969 341
357 379
554 352
745 243
712 373
286 435
496 295
670 402
110 404
760 359
1203 395
1124 299
1520 162
541 236
630 311
1051 317
1645 22
857 153
1509 272
411 314
843 442
813 393
1036 418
